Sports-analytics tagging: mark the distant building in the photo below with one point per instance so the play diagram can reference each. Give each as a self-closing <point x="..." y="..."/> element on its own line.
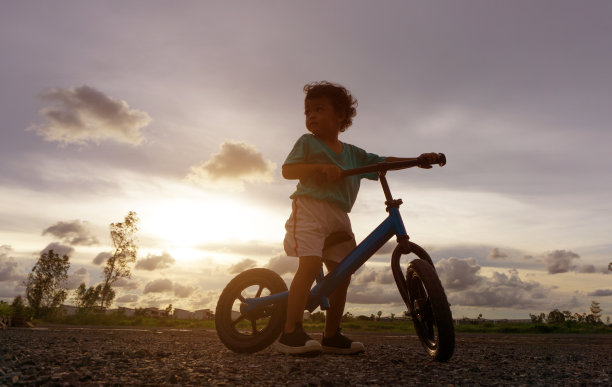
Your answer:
<point x="67" y="310"/>
<point x="153" y="312"/>
<point x="203" y="314"/>
<point x="183" y="314"/>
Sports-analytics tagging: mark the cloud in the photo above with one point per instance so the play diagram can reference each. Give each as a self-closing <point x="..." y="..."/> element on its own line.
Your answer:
<point x="126" y="284"/>
<point x="182" y="291"/>
<point x="235" y="164"/>
<point x="76" y="278"/>
<point x="459" y="274"/>
<point x="560" y="261"/>
<point x="601" y="293"/>
<point x="128" y="298"/>
<point x="465" y="286"/>
<point x="496" y="254"/>
<point x="158" y="286"/>
<point x="371" y="276"/>
<point x="586" y="269"/>
<point x="241" y="266"/>
<point x="242" y="248"/>
<point x="101" y="258"/>
<point x="83" y="114"/>
<point x="9" y="266"/>
<point x="59" y="249"/>
<point x="166" y="286"/>
<point x="283" y="264"/>
<point x="154" y="262"/>
<point x="72" y="233"/>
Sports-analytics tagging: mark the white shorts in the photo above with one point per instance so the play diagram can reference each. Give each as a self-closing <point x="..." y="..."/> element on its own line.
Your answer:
<point x="310" y="223"/>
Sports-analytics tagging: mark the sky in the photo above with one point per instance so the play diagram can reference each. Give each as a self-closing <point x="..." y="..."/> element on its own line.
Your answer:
<point x="184" y="113"/>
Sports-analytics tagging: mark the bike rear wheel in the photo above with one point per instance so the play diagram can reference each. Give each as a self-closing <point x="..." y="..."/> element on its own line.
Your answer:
<point x="430" y="310"/>
<point x="256" y="330"/>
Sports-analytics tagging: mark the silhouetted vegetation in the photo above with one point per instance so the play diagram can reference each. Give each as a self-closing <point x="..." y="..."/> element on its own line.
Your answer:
<point x="117" y="265"/>
<point x="45" y="289"/>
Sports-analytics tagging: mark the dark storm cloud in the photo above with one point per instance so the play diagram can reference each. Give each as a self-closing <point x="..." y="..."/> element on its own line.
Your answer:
<point x="236" y="161"/>
<point x="101" y="258"/>
<point x="73" y="233"/>
<point x="467" y="287"/>
<point x="59" y="249"/>
<point x="83" y="114"/>
<point x="155" y="262"/>
<point x="560" y="261"/>
<point x="241" y="266"/>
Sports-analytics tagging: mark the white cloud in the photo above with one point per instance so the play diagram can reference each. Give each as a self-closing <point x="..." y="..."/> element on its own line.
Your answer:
<point x="9" y="266"/>
<point x="127" y="298"/>
<point x="235" y="164"/>
<point x="183" y="291"/>
<point x="496" y="253"/>
<point x="83" y="114"/>
<point x="241" y="266"/>
<point x="158" y="286"/>
<point x="73" y="233"/>
<point x="283" y="264"/>
<point x="154" y="262"/>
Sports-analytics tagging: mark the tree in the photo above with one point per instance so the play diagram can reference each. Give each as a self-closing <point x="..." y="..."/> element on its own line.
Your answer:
<point x="595" y="311"/>
<point x="122" y="235"/>
<point x="45" y="289"/>
<point x="556" y="317"/>
<point x="168" y="311"/>
<point x="379" y="313"/>
<point x="85" y="298"/>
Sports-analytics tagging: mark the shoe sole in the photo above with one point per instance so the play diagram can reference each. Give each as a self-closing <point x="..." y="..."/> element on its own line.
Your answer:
<point x="310" y="348"/>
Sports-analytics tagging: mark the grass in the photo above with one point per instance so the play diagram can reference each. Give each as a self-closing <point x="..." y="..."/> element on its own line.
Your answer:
<point x="391" y="326"/>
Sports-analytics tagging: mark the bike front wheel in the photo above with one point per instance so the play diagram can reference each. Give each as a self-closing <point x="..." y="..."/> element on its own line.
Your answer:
<point x="253" y="331"/>
<point x="430" y="310"/>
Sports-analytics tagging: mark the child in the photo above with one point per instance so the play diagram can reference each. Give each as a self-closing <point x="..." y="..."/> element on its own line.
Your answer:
<point x="321" y="205"/>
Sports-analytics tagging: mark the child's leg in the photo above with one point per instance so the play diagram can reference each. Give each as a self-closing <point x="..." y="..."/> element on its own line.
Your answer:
<point x="308" y="269"/>
<point x="337" y="299"/>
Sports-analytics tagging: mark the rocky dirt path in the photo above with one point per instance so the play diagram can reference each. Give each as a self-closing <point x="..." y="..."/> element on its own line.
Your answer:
<point x="101" y="356"/>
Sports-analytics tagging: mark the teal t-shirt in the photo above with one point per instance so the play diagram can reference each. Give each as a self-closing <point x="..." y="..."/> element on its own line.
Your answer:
<point x="310" y="150"/>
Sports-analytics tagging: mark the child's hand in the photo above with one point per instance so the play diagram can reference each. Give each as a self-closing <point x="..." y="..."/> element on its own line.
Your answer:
<point x="426" y="159"/>
<point x="331" y="172"/>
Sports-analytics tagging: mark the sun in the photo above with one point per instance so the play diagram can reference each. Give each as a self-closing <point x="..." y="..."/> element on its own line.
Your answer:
<point x="184" y="226"/>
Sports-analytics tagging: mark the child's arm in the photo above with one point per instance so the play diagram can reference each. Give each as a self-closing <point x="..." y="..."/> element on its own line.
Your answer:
<point x="303" y="171"/>
<point x="426" y="158"/>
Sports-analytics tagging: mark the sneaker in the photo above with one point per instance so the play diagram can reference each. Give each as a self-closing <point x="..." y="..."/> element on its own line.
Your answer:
<point x="298" y="343"/>
<point x="341" y="344"/>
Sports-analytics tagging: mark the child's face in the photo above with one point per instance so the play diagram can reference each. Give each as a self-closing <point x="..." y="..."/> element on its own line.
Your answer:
<point x="322" y="119"/>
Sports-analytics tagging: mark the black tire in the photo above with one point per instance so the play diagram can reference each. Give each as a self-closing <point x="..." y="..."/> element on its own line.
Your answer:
<point x="430" y="310"/>
<point x="254" y="331"/>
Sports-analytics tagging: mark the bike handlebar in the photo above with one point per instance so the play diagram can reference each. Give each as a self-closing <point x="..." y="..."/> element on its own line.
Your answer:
<point x="389" y="166"/>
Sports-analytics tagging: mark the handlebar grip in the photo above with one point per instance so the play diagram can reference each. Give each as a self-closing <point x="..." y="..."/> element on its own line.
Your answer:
<point x="441" y="159"/>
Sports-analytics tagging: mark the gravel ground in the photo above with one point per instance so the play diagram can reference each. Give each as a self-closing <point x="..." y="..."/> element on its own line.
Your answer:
<point x="100" y="356"/>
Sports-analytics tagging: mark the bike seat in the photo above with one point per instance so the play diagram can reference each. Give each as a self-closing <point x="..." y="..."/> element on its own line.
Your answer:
<point x="336" y="238"/>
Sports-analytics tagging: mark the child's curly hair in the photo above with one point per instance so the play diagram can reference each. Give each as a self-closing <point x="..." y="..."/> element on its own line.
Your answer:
<point x="340" y="97"/>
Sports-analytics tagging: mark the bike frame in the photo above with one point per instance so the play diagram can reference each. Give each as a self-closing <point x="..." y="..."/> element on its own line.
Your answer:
<point x="325" y="286"/>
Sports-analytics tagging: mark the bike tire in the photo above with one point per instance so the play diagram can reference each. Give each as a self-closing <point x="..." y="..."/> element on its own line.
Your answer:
<point x="430" y="310"/>
<point x="254" y="331"/>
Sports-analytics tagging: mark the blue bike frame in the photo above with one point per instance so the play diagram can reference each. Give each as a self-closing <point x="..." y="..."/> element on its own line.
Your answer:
<point x="392" y="225"/>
